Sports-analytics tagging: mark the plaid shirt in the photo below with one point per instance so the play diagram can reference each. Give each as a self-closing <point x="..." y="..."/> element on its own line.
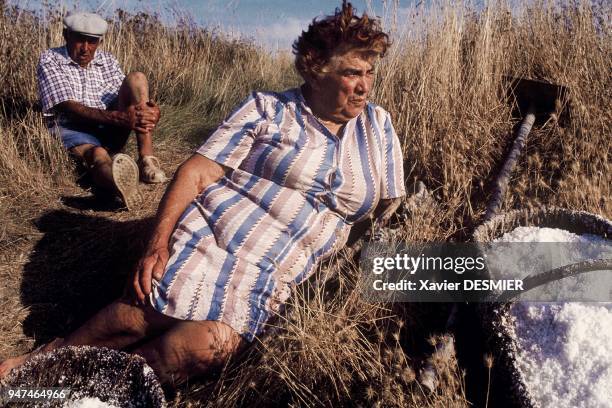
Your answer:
<point x="61" y="79"/>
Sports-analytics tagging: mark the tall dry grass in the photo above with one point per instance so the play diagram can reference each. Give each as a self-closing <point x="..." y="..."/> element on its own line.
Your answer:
<point x="196" y="75"/>
<point x="443" y="82"/>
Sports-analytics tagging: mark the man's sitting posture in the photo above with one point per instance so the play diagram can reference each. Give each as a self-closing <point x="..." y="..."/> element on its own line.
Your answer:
<point x="95" y="107"/>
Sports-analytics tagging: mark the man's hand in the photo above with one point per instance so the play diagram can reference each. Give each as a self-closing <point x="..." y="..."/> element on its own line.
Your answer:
<point x="151" y="266"/>
<point x="148" y="115"/>
<point x="142" y="118"/>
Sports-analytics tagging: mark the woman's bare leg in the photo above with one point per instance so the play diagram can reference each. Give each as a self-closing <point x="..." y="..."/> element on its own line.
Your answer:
<point x="190" y="349"/>
<point x="182" y="349"/>
<point x="118" y="325"/>
<point x="7" y="365"/>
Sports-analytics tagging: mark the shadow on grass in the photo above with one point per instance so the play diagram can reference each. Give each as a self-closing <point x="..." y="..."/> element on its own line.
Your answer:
<point x="93" y="202"/>
<point x="79" y="265"/>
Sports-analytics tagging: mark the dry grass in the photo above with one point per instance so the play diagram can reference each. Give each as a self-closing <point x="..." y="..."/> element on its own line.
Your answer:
<point x="442" y="82"/>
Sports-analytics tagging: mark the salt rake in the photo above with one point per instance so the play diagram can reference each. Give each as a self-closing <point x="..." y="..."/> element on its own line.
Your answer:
<point x="540" y="101"/>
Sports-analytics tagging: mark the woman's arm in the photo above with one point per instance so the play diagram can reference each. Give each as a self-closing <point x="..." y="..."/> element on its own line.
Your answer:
<point x="191" y="178"/>
<point x="381" y="215"/>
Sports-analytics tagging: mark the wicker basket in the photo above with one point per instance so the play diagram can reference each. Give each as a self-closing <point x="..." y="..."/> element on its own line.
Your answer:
<point x="492" y="315"/>
<point x="114" y="377"/>
<point x="578" y="222"/>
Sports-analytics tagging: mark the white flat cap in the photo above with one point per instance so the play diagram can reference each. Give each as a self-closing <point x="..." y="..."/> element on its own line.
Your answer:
<point x="86" y="23"/>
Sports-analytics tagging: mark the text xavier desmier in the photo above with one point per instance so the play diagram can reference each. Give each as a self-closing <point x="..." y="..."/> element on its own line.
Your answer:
<point x="467" y="285"/>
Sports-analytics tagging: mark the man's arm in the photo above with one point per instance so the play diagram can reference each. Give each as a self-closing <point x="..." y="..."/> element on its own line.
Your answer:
<point x="141" y="118"/>
<point x="191" y="178"/>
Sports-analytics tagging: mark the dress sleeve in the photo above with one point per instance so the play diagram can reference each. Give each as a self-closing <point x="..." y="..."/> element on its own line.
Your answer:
<point x="53" y="85"/>
<point x="393" y="163"/>
<point x="231" y="142"/>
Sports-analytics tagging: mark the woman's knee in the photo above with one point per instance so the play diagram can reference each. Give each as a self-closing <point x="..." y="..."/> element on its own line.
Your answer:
<point x="198" y="347"/>
<point x="219" y="343"/>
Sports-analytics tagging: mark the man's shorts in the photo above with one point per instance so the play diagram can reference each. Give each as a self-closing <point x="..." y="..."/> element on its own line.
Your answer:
<point x="110" y="137"/>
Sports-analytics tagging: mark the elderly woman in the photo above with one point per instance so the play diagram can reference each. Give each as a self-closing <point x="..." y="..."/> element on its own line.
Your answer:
<point x="272" y="192"/>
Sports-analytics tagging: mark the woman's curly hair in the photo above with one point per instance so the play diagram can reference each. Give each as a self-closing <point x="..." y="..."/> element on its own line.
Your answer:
<point x="343" y="30"/>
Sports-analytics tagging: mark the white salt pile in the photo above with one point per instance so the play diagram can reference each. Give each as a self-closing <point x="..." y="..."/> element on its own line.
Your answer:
<point x="564" y="349"/>
<point x="88" y="402"/>
<point x="508" y="260"/>
<point x="537" y="234"/>
<point x="565" y="353"/>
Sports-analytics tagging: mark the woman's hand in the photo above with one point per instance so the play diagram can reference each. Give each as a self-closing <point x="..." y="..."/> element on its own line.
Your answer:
<point x="190" y="179"/>
<point x="151" y="265"/>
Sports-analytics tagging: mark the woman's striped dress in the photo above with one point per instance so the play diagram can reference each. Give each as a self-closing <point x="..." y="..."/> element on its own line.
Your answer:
<point x="292" y="193"/>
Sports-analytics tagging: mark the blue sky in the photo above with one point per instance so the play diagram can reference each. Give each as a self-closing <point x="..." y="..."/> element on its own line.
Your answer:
<point x="275" y="23"/>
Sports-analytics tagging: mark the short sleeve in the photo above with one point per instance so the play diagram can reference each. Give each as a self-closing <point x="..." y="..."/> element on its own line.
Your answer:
<point x="53" y="85"/>
<point x="231" y="142"/>
<point x="393" y="163"/>
<point x="113" y="78"/>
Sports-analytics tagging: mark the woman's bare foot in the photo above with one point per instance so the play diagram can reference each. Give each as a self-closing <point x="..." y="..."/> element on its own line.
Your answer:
<point x="7" y="365"/>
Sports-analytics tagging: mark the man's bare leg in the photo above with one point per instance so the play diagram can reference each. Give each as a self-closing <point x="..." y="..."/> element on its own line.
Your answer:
<point x="133" y="92"/>
<point x="190" y="349"/>
<point x="99" y="163"/>
<point x="116" y="176"/>
<point x="118" y="325"/>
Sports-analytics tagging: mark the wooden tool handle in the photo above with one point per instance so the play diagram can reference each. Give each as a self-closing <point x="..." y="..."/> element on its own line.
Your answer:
<point x="503" y="178"/>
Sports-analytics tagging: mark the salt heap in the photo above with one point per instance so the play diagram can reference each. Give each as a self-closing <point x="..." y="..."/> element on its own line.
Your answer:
<point x="564" y="348"/>
<point x="88" y="403"/>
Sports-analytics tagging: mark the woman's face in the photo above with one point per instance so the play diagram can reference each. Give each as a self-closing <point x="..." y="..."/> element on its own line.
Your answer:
<point x="342" y="89"/>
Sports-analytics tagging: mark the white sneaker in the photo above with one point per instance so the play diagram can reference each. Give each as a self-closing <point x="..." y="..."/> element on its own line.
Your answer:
<point x="125" y="176"/>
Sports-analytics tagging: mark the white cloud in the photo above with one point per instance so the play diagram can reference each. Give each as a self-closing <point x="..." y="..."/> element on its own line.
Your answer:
<point x="280" y="34"/>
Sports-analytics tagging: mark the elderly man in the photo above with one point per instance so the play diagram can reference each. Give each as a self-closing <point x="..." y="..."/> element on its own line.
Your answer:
<point x="95" y="107"/>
